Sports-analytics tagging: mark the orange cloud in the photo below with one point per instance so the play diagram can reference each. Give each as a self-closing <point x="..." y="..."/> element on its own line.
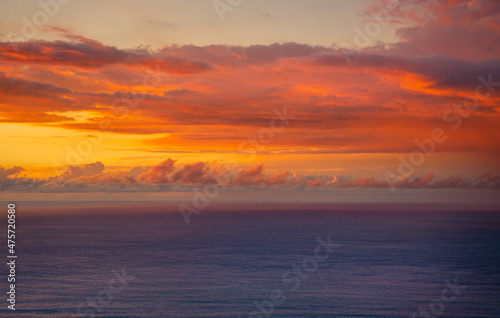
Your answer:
<point x="204" y="101"/>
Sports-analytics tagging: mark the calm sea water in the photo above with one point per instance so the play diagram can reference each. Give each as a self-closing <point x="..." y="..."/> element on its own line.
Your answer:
<point x="391" y="260"/>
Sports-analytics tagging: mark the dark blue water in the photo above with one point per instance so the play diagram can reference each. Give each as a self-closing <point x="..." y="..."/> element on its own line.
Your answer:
<point x="390" y="261"/>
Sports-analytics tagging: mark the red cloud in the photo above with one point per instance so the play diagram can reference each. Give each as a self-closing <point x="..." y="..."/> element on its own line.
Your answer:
<point x="255" y="177"/>
<point x="86" y="53"/>
<point x="94" y="177"/>
<point x="194" y="173"/>
<point x="158" y="174"/>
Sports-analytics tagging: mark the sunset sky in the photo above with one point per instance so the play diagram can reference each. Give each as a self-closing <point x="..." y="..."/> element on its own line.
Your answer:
<point x="275" y="98"/>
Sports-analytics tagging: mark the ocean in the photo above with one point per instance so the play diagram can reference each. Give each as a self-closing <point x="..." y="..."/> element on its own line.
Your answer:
<point x="249" y="260"/>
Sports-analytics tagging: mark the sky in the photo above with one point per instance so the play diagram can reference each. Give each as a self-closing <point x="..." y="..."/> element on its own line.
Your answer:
<point x="265" y="100"/>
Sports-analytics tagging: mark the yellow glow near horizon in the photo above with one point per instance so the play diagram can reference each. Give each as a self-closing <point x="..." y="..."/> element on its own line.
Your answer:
<point x="38" y="147"/>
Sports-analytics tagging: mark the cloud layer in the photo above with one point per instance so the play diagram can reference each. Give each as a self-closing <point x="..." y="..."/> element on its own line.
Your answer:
<point x="441" y="72"/>
<point x="95" y="177"/>
<point x="357" y="103"/>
